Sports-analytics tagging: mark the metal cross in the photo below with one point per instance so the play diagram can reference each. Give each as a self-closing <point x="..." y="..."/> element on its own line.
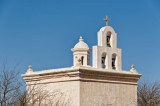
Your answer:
<point x="106" y="20"/>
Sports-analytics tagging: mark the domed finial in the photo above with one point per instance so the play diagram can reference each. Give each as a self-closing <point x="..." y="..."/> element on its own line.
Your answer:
<point x="29" y="66"/>
<point x="132" y="66"/>
<point x="80" y="39"/>
<point x="133" y="70"/>
<point x="29" y="70"/>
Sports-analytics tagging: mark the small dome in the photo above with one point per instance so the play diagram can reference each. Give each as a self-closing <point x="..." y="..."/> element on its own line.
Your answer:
<point x="81" y="44"/>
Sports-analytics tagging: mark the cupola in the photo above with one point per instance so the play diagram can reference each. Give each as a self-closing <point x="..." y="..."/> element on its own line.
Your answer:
<point x="81" y="53"/>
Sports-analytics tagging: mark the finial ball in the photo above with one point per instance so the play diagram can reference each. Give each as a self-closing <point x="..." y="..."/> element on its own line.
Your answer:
<point x="80" y="39"/>
<point x="132" y="66"/>
<point x="29" y="66"/>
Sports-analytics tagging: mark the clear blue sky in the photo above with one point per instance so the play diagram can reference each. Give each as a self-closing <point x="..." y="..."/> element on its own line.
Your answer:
<point x="42" y="32"/>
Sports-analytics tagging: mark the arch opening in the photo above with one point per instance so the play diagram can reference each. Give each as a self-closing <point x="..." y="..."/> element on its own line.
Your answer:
<point x="103" y="60"/>
<point x="114" y="61"/>
<point x="82" y="60"/>
<point x="108" y="39"/>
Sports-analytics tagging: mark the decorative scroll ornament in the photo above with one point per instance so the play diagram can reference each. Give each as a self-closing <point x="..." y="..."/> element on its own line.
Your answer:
<point x="79" y="63"/>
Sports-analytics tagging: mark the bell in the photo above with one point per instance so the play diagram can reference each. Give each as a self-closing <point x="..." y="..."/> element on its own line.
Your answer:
<point x="108" y="44"/>
<point x="108" y="41"/>
<point x="103" y="58"/>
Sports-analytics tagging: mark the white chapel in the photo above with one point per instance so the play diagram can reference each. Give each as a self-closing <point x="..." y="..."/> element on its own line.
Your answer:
<point x="102" y="84"/>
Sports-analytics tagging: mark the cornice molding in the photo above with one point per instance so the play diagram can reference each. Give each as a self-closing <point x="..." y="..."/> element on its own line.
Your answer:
<point x="82" y="74"/>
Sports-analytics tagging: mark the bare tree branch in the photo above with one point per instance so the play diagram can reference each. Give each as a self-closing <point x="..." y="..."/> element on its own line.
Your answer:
<point x="9" y="85"/>
<point x="148" y="94"/>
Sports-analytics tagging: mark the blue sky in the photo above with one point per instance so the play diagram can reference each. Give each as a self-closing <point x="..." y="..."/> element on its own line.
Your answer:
<point x="42" y="32"/>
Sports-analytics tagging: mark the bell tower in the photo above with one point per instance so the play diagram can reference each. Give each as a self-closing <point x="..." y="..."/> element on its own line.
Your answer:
<point x="106" y="55"/>
<point x="104" y="84"/>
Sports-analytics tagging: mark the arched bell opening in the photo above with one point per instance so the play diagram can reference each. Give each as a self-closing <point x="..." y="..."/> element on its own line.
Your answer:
<point x="82" y="60"/>
<point x="103" y="60"/>
<point x="108" y="39"/>
<point x="114" y="61"/>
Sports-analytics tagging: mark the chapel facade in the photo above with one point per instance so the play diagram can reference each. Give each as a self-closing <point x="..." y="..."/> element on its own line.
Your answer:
<point x="102" y="84"/>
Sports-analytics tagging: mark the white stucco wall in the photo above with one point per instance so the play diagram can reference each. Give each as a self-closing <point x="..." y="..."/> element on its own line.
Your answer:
<point x="107" y="94"/>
